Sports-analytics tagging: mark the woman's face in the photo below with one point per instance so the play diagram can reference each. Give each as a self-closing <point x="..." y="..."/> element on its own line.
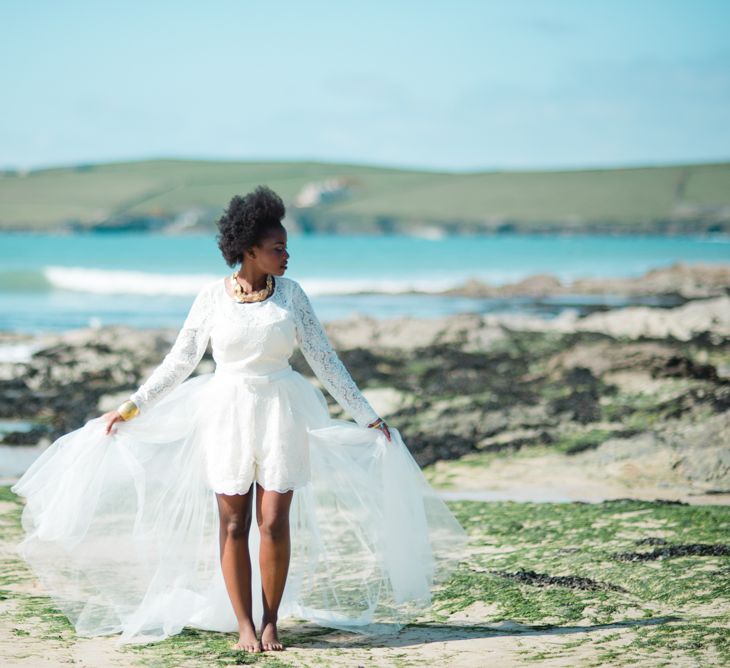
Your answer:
<point x="270" y="254"/>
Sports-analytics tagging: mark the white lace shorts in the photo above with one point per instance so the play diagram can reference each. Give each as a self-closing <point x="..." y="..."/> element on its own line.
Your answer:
<point x="256" y="429"/>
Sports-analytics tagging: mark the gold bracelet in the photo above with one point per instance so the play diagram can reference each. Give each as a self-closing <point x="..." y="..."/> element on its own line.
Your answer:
<point x="128" y="410"/>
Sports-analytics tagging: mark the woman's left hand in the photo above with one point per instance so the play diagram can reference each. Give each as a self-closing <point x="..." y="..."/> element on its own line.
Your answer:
<point x="380" y="424"/>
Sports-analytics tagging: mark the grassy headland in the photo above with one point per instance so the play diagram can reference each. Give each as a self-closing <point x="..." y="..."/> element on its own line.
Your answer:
<point x="189" y="195"/>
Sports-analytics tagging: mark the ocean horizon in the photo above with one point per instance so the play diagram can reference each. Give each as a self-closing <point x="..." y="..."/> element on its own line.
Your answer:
<point x="51" y="282"/>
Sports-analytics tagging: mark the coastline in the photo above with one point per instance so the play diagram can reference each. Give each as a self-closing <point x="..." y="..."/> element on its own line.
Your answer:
<point x="634" y="399"/>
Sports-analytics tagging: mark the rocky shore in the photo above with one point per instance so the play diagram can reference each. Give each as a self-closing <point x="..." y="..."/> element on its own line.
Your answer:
<point x="629" y="402"/>
<point x="680" y="281"/>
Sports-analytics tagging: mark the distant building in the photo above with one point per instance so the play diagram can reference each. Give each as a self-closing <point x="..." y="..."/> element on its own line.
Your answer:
<point x="322" y="192"/>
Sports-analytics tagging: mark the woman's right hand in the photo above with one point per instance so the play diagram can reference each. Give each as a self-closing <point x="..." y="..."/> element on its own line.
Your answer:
<point x="382" y="426"/>
<point x="111" y="418"/>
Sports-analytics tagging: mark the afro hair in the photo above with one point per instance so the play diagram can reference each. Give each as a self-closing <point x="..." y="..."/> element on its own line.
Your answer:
<point x="247" y="221"/>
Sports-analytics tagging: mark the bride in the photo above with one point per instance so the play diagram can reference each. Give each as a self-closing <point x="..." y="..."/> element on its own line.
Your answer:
<point x="140" y="521"/>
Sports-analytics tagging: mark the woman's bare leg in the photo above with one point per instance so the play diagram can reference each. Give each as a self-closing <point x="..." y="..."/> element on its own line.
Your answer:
<point x="235" y="520"/>
<point x="272" y="516"/>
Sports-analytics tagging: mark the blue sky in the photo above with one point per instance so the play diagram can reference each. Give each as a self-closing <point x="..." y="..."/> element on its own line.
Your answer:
<point x="443" y="85"/>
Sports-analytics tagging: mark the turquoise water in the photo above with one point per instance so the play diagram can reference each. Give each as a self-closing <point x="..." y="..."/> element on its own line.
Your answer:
<point x="56" y="282"/>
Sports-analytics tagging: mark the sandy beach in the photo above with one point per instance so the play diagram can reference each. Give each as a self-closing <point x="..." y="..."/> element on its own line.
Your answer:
<point x="593" y="590"/>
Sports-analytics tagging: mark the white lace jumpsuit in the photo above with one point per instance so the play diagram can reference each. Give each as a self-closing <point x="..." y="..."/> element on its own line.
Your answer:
<point x="255" y="410"/>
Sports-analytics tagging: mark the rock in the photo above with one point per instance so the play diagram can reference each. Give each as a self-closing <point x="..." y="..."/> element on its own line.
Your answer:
<point x="680" y="280"/>
<point x="681" y="323"/>
<point x="704" y="449"/>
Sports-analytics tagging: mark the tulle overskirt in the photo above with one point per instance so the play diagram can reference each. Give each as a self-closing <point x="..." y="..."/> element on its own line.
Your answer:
<point x="122" y="530"/>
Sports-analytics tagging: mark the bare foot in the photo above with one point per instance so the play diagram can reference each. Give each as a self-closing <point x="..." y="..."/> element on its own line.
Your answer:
<point x="269" y="637"/>
<point x="247" y="639"/>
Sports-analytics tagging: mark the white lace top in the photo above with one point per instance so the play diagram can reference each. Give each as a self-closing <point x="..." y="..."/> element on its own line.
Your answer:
<point x="256" y="338"/>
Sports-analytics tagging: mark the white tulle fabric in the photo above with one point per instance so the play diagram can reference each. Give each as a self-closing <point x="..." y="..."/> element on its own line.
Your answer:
<point x="122" y="529"/>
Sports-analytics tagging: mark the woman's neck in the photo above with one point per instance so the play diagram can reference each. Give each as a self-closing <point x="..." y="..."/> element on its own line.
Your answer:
<point x="252" y="278"/>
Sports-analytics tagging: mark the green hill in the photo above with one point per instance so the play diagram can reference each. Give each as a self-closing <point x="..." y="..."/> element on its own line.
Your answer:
<point x="190" y="195"/>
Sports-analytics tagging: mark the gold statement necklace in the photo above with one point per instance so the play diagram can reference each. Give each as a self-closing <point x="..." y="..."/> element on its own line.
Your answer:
<point x="246" y="297"/>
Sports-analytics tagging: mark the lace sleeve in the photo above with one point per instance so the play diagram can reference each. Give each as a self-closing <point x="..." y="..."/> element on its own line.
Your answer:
<point x="186" y="352"/>
<point x="324" y="361"/>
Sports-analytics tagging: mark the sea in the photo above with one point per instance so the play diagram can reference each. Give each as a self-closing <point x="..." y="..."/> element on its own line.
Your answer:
<point x="57" y="282"/>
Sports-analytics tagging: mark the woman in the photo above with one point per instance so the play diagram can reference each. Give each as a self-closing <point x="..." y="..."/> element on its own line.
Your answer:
<point x="121" y="514"/>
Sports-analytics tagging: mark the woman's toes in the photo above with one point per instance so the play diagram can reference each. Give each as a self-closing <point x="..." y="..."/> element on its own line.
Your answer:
<point x="269" y="640"/>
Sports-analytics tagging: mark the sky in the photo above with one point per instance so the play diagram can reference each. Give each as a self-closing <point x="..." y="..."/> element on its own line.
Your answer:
<point x="454" y="85"/>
